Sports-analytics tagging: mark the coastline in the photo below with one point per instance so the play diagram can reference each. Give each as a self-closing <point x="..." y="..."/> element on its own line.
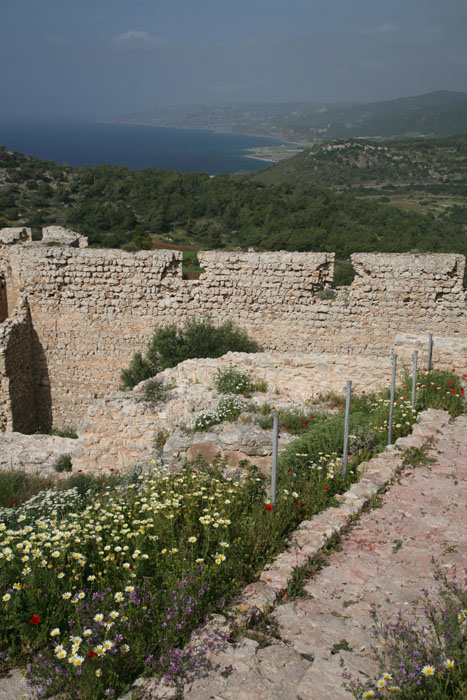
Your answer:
<point x="274" y="154"/>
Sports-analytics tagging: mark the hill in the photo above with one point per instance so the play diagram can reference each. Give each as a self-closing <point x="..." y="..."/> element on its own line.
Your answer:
<point x="440" y="113"/>
<point x="116" y="206"/>
<point x="425" y="175"/>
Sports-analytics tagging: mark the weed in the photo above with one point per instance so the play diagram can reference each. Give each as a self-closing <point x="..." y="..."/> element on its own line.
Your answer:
<point x="261" y="385"/>
<point x="231" y="381"/>
<point x="416" y="457"/>
<point x="63" y="464"/>
<point x="157" y="391"/>
<point x="397" y="545"/>
<point x="343" y="645"/>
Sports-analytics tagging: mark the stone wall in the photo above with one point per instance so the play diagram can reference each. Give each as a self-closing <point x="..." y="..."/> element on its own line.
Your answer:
<point x="11" y="236"/>
<point x="17" y="380"/>
<point x="92" y="309"/>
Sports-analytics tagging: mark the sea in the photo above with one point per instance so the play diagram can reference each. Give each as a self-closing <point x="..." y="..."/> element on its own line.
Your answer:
<point x="137" y="146"/>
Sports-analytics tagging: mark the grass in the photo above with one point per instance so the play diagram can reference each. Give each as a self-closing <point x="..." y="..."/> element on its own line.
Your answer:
<point x="105" y="579"/>
<point x="136" y="567"/>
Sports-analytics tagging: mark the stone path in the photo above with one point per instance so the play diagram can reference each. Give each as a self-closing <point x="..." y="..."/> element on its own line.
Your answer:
<point x="384" y="561"/>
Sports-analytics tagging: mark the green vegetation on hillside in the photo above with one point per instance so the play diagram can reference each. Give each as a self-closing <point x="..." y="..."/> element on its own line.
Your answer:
<point x="426" y="176"/>
<point x="116" y="206"/>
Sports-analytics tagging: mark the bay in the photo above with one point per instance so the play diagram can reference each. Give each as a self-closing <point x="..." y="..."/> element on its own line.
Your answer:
<point x="137" y="146"/>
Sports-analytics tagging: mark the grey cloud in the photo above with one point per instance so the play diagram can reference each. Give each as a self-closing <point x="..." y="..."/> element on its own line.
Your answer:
<point x="141" y="40"/>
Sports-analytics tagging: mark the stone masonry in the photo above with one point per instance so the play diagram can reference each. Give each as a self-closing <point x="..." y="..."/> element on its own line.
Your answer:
<point x="92" y="309"/>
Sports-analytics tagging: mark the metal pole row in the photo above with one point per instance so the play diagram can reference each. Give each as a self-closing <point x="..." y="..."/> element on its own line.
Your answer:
<point x="275" y="431"/>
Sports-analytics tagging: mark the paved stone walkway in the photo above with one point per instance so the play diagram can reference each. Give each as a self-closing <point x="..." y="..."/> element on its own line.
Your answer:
<point x="384" y="561"/>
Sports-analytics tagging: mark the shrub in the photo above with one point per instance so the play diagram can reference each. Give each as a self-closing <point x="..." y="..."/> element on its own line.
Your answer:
<point x="156" y="391"/>
<point x="171" y="345"/>
<point x="17" y="486"/>
<point x="231" y="381"/>
<point x="228" y="409"/>
<point x="137" y="372"/>
<point x="63" y="464"/>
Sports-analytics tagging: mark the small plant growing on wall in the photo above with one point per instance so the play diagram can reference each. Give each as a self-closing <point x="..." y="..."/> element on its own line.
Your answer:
<point x="231" y="381"/>
<point x="63" y="464"/>
<point x="157" y="391"/>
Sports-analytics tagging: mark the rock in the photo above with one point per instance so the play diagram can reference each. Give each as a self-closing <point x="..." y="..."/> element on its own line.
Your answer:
<point x="207" y="451"/>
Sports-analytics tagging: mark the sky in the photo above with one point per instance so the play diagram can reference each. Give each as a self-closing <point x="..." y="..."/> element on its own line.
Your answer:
<point x="95" y="59"/>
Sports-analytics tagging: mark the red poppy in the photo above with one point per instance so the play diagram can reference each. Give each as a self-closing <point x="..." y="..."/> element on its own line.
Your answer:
<point x="332" y="405"/>
<point x="13" y="503"/>
<point x="451" y="383"/>
<point x="325" y="488"/>
<point x="193" y="471"/>
<point x="310" y="416"/>
<point x="363" y="391"/>
<point x="303" y="421"/>
<point x="297" y="503"/>
<point x="35" y="619"/>
<point x="91" y="654"/>
<point x="325" y="417"/>
<point x="162" y="442"/>
<point x="268" y="506"/>
<point x="462" y="391"/>
<point x="289" y="470"/>
<point x="112" y="470"/>
<point x="80" y="470"/>
<point x="283" y="591"/>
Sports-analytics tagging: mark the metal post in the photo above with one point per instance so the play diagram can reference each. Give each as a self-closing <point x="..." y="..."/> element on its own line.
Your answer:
<point x="275" y="442"/>
<point x="346" y="429"/>
<point x="414" y="376"/>
<point x="430" y="351"/>
<point x="391" y="401"/>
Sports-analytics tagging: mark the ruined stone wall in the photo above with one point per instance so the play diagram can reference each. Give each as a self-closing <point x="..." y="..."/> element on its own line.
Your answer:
<point x="92" y="309"/>
<point x="17" y="381"/>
